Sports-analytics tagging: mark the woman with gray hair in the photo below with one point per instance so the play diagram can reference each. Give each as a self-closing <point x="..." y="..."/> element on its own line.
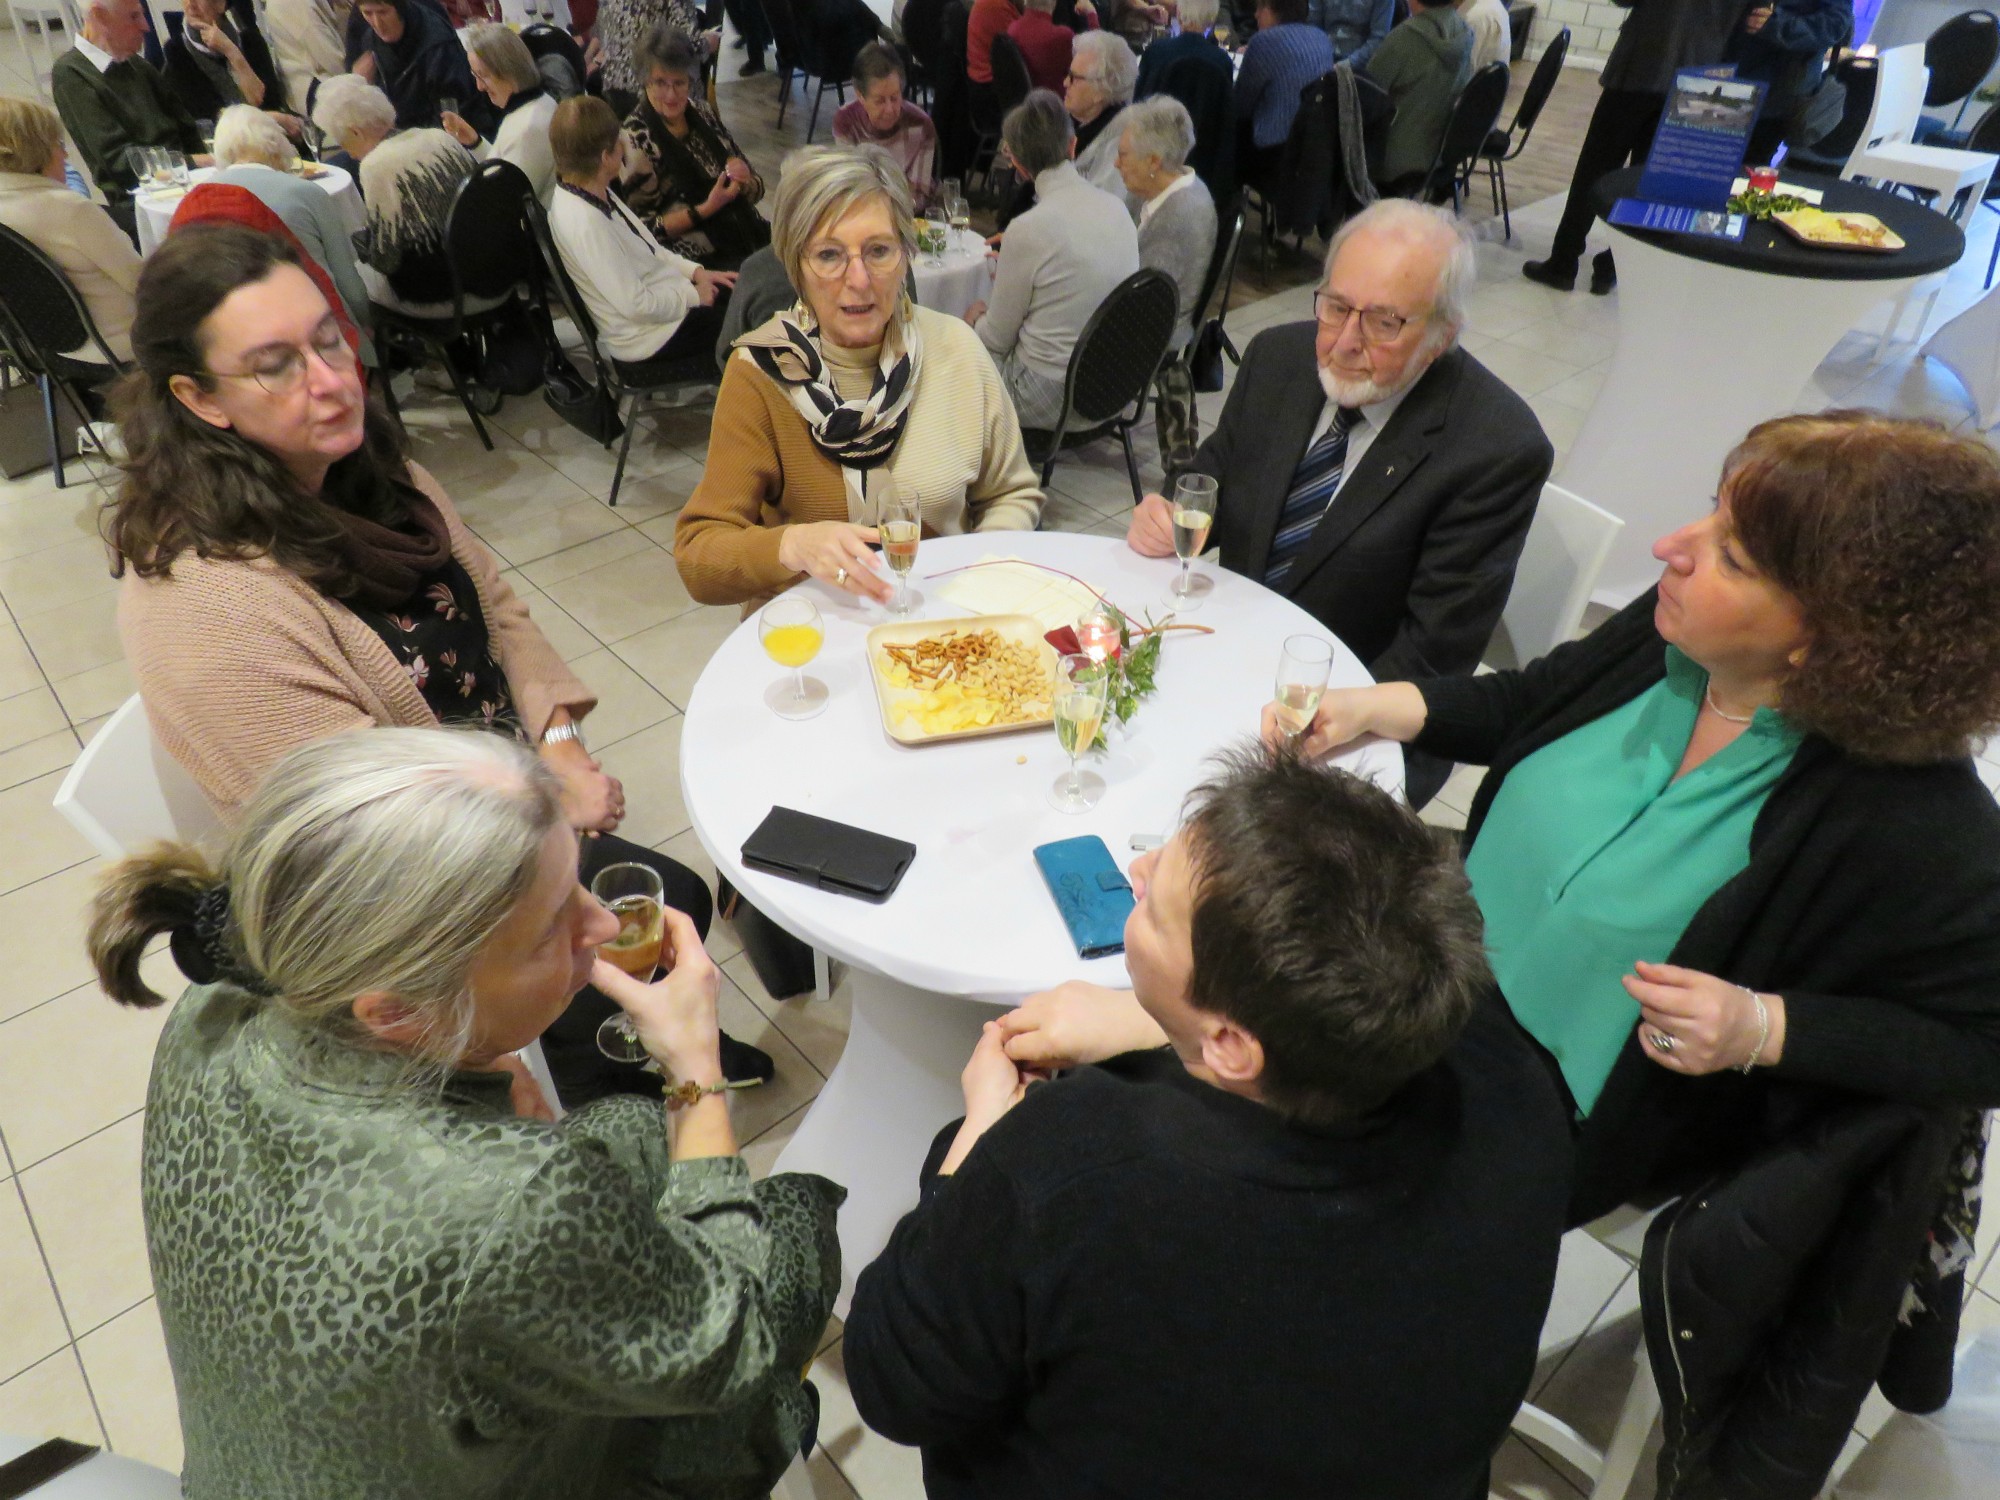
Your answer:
<point x="1102" y="74"/>
<point x="1059" y="262"/>
<point x="254" y="154"/>
<point x="354" y="117"/>
<point x="505" y="71"/>
<point x="381" y="1269"/>
<point x="851" y="381"/>
<point x="1176" y="235"/>
<point x="1197" y="20"/>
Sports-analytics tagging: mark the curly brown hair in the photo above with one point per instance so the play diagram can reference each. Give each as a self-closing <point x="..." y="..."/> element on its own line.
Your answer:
<point x="191" y="487"/>
<point x="1887" y="532"/>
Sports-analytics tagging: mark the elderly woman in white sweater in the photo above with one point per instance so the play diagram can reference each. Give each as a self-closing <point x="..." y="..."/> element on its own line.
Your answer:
<point x="1176" y="235"/>
<point x="505" y="71"/>
<point x="647" y="302"/>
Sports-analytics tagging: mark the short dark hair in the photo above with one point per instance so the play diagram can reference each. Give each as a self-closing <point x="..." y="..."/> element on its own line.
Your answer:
<point x="581" y="130"/>
<point x="1288" y="12"/>
<point x="1037" y="132"/>
<point x="669" y="48"/>
<point x="875" y="62"/>
<point x="1886" y="530"/>
<point x="1334" y="925"/>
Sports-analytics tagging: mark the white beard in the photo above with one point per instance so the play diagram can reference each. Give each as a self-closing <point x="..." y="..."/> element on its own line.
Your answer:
<point x="1342" y="391"/>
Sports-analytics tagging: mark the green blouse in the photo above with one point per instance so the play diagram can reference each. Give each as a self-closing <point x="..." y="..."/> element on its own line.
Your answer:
<point x="1592" y="856"/>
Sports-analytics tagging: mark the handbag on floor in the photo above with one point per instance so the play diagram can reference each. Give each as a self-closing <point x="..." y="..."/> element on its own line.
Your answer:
<point x="581" y="402"/>
<point x="1205" y="357"/>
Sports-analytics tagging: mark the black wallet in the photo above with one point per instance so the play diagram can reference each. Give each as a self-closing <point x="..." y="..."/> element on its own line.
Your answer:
<point x="836" y="857"/>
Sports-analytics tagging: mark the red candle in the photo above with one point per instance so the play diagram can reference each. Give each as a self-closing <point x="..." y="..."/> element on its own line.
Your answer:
<point x="1763" y="179"/>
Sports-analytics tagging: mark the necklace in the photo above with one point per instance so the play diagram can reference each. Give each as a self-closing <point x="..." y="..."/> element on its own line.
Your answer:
<point x="1732" y="718"/>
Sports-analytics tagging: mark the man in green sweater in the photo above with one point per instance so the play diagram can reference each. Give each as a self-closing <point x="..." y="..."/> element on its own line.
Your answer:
<point x="111" y="99"/>
<point x="1423" y="63"/>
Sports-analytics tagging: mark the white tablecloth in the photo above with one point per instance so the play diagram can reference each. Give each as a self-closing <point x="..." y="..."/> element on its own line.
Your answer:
<point x="965" y="277"/>
<point x="156" y="210"/>
<point x="972" y="920"/>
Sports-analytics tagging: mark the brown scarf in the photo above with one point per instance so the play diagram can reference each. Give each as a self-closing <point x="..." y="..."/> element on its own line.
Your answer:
<point x="388" y="561"/>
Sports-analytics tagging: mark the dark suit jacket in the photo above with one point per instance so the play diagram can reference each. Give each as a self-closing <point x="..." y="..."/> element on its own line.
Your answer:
<point x="1412" y="563"/>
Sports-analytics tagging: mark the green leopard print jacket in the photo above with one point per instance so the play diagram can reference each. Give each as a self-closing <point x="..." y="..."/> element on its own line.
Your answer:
<point x="373" y="1289"/>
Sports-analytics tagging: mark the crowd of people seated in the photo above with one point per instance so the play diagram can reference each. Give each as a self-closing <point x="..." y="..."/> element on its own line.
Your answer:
<point x="1730" y="875"/>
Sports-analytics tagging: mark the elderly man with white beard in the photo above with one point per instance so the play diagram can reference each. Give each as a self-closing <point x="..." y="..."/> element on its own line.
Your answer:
<point x="1389" y="497"/>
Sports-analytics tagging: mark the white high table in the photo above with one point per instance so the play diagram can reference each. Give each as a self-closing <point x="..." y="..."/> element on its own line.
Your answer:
<point x="971" y="927"/>
<point x="1714" y="338"/>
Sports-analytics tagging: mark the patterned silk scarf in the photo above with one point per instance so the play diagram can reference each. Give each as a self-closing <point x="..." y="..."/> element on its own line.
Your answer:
<point x="854" y="434"/>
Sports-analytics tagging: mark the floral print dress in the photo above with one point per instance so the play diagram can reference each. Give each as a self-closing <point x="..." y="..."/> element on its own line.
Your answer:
<point x="439" y="637"/>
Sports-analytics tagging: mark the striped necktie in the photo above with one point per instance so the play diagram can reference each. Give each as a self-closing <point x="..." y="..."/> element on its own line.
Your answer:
<point x="1313" y="484"/>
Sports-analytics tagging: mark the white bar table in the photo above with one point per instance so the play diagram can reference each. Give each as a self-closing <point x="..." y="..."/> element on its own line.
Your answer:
<point x="1713" y="338"/>
<point x="971" y="928"/>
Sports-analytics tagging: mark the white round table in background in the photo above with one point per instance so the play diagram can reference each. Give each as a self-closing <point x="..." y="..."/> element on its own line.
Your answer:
<point x="155" y="213"/>
<point x="965" y="277"/>
<point x="972" y="920"/>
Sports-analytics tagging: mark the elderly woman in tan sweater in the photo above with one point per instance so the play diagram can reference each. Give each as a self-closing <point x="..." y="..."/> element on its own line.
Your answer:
<point x="290" y="574"/>
<point x="851" y="381"/>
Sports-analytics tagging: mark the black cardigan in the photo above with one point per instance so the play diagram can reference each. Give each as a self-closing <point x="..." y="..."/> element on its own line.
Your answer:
<point x="1871" y="903"/>
<point x="1140" y="1285"/>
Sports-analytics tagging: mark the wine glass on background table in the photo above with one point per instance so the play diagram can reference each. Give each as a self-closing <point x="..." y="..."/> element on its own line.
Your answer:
<point x="1303" y="668"/>
<point x="1082" y="685"/>
<point x="937" y="231"/>
<point x="633" y="895"/>
<point x="1194" y="512"/>
<point x="958" y="212"/>
<point x="900" y="523"/>
<point x="792" y="634"/>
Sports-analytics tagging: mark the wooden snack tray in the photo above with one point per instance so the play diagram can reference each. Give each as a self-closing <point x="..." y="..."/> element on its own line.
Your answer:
<point x="1797" y="223"/>
<point x="1021" y="629"/>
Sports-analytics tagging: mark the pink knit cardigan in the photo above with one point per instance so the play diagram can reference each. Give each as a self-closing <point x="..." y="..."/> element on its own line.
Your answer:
<point x="239" y="662"/>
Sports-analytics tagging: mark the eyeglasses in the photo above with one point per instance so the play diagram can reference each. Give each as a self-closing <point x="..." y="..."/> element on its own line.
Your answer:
<point x="1379" y="325"/>
<point x="878" y="258"/>
<point x="1075" y="77"/>
<point x="281" y="368"/>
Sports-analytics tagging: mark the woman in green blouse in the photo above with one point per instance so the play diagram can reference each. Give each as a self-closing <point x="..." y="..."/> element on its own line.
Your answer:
<point x="381" y="1271"/>
<point x="1737" y="830"/>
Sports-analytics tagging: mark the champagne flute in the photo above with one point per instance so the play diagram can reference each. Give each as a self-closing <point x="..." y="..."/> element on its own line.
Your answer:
<point x="1081" y="688"/>
<point x="1303" y="667"/>
<point x="938" y="232"/>
<point x="634" y="895"/>
<point x="792" y="634"/>
<point x="959" y="212"/>
<point x="1194" y="512"/>
<point x="900" y="523"/>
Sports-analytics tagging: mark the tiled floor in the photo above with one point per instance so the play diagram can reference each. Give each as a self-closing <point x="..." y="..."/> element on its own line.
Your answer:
<point x="80" y="1346"/>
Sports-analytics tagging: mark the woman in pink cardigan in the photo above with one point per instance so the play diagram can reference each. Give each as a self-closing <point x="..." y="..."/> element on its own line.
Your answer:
<point x="290" y="574"/>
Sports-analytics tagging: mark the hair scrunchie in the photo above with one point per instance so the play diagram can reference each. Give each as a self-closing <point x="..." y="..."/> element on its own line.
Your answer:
<point x="201" y="947"/>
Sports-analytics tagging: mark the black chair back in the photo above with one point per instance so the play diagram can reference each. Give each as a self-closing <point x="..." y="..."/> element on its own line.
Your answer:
<point x="1473" y="115"/>
<point x="922" y="20"/>
<point x="1221" y="262"/>
<point x="47" y="313"/>
<point x="1541" y="84"/>
<point x="1122" y="345"/>
<point x="488" y="239"/>
<point x="1960" y="54"/>
<point x="1011" y="81"/>
<point x="1984" y="137"/>
<point x="1205" y="91"/>
<point x="567" y="297"/>
<point x="788" y="37"/>
<point x="543" y="40"/>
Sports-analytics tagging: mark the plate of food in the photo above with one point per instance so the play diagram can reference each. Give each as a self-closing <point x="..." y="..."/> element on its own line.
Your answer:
<point x="941" y="680"/>
<point x="1839" y="231"/>
<point x="310" y="170"/>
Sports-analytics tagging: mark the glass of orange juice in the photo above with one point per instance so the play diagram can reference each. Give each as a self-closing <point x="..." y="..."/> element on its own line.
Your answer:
<point x="792" y="634"/>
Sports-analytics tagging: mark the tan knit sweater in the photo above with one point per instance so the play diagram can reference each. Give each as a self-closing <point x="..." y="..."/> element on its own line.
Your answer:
<point x="239" y="662"/>
<point x="961" y="452"/>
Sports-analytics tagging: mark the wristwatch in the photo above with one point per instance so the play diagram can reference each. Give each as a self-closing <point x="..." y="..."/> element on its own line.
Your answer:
<point x="556" y="734"/>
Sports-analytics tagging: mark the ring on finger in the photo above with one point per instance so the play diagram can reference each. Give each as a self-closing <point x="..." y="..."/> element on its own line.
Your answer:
<point x="840" y="576"/>
<point x="1663" y="1041"/>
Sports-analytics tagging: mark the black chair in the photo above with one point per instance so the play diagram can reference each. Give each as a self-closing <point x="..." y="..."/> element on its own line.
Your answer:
<point x="1474" y="113"/>
<point x="1011" y="80"/>
<point x="1502" y="146"/>
<point x="797" y="41"/>
<point x="1111" y="370"/>
<point x="543" y="40"/>
<point x="922" y="45"/>
<point x="490" y="249"/>
<point x="42" y="314"/>
<point x="628" y="382"/>
<point x="1960" y="54"/>
<point x="1985" y="137"/>
<point x="1215" y="285"/>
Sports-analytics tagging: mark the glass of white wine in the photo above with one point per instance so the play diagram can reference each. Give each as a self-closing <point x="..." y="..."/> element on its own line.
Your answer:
<point x="900" y="524"/>
<point x="1303" y="668"/>
<point x="1082" y="684"/>
<point x="938" y="231"/>
<point x="1194" y="512"/>
<point x="792" y="634"/>
<point x="959" y="212"/>
<point x="634" y="895"/>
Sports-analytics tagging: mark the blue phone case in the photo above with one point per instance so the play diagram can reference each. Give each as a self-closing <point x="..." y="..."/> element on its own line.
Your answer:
<point x="1091" y="892"/>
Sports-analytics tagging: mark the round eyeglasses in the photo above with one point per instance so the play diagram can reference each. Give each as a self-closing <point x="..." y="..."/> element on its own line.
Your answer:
<point x="877" y="257"/>
<point x="281" y="368"/>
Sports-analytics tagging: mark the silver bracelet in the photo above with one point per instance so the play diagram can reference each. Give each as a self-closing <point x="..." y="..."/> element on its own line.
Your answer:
<point x="557" y="734"/>
<point x="1763" y="1028"/>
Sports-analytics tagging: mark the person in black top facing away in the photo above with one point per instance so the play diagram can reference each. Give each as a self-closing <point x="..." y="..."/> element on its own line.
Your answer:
<point x="1292" y="1232"/>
